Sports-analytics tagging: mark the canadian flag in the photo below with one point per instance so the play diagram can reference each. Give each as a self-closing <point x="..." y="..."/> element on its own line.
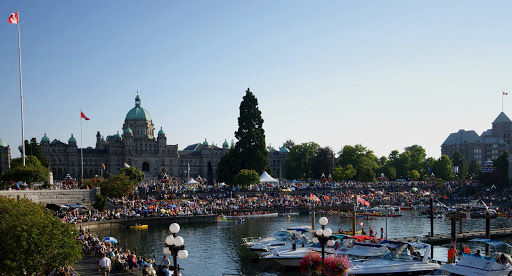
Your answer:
<point x="361" y="223"/>
<point x="314" y="197"/>
<point x="505" y="93"/>
<point x="13" y="19"/>
<point x="82" y="115"/>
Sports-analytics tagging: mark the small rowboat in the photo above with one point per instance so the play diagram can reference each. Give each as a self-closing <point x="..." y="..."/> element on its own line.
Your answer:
<point x="139" y="227"/>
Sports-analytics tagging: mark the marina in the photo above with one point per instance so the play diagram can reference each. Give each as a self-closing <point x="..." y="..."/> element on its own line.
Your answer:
<point x="218" y="246"/>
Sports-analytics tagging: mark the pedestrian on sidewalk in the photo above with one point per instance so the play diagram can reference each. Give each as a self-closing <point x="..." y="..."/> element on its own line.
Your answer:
<point x="104" y="265"/>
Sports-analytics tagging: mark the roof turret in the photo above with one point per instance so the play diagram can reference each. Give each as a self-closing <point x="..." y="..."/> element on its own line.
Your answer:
<point x="225" y="144"/>
<point x="128" y="130"/>
<point x="45" y="139"/>
<point x="205" y="143"/>
<point x="71" y="139"/>
<point x="2" y="144"/>
<point x="138" y="113"/>
<point x="283" y="149"/>
<point x="161" y="131"/>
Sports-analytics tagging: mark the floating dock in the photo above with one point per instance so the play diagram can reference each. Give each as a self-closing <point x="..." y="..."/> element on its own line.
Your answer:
<point x="446" y="238"/>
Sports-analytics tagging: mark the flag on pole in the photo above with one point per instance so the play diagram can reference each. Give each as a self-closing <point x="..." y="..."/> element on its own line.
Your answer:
<point x="126" y="165"/>
<point x="102" y="165"/>
<point x="361" y="223"/>
<point x="505" y="93"/>
<point x="188" y="166"/>
<point x="82" y="115"/>
<point x="313" y="197"/>
<point x="13" y="19"/>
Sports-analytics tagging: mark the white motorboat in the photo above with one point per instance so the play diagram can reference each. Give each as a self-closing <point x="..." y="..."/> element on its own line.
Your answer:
<point x="365" y="251"/>
<point x="471" y="264"/>
<point x="401" y="261"/>
<point x="260" y="246"/>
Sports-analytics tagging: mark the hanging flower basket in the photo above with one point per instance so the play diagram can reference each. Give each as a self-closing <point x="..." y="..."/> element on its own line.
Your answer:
<point x="333" y="265"/>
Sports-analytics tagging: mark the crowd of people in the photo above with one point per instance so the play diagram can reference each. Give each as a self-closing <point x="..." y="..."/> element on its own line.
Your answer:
<point x="158" y="199"/>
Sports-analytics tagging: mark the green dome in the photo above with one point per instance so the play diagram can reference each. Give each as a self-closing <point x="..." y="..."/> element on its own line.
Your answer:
<point x="225" y="144"/>
<point x="284" y="149"/>
<point x="138" y="113"/>
<point x="71" y="139"/>
<point x="103" y="138"/>
<point x="2" y="144"/>
<point x="161" y="132"/>
<point x="118" y="135"/>
<point x="128" y="130"/>
<point x="45" y="139"/>
<point x="205" y="143"/>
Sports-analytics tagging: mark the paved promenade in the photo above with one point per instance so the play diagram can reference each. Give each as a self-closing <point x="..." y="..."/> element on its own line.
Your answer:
<point x="88" y="265"/>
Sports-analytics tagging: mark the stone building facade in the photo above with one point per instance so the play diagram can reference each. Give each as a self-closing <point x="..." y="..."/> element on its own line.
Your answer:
<point x="139" y="146"/>
<point x="487" y="146"/>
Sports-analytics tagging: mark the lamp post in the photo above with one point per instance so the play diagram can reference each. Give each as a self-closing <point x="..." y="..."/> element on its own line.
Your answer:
<point x="175" y="246"/>
<point x="323" y="236"/>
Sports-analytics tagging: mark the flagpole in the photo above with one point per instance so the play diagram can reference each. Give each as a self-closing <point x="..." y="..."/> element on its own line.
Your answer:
<point x="81" y="149"/>
<point x="21" y="94"/>
<point x="502" y="94"/>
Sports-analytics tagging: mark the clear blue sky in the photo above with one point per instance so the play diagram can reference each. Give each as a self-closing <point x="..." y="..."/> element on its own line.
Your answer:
<point x="384" y="74"/>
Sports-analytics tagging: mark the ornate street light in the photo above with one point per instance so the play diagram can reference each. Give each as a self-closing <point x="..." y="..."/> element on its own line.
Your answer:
<point x="323" y="236"/>
<point x="175" y="246"/>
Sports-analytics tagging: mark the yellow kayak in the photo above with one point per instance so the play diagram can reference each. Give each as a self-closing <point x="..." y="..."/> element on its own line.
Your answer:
<point x="139" y="227"/>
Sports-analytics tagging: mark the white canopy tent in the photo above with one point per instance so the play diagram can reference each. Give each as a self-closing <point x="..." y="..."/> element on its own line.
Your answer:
<point x="265" y="177"/>
<point x="191" y="181"/>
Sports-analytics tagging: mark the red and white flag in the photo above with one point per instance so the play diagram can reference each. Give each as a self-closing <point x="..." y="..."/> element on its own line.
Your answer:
<point x="313" y="197"/>
<point x="361" y="223"/>
<point x="13" y="19"/>
<point x="505" y="93"/>
<point x="82" y="115"/>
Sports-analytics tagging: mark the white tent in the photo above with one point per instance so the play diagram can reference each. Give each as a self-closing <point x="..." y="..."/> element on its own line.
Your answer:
<point x="191" y="181"/>
<point x="265" y="177"/>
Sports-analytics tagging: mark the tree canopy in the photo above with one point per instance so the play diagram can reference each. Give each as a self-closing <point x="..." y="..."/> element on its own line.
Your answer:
<point x="247" y="178"/>
<point x="33" y="239"/>
<point x="298" y="164"/>
<point x="249" y="152"/>
<point x="32" y="172"/>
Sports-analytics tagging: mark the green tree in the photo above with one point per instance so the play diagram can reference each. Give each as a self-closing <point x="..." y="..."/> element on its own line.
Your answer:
<point x="133" y="174"/>
<point x="501" y="163"/>
<point x="340" y="173"/>
<point x="349" y="172"/>
<point x="100" y="203"/>
<point x="444" y="168"/>
<point x="33" y="240"/>
<point x="118" y="185"/>
<point x="322" y="162"/>
<point x="32" y="172"/>
<point x="414" y="175"/>
<point x="298" y="164"/>
<point x="289" y="144"/>
<point x="474" y="169"/>
<point x="337" y="174"/>
<point x="33" y="149"/>
<point x="247" y="178"/>
<point x="459" y="161"/>
<point x="358" y="156"/>
<point x="367" y="175"/>
<point x="250" y="150"/>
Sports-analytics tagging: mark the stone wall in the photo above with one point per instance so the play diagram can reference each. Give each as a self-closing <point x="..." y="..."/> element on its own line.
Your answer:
<point x="59" y="197"/>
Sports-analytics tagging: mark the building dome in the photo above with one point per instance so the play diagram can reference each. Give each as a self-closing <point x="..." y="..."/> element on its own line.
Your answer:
<point x="45" y="139"/>
<point x="118" y="135"/>
<point x="103" y="138"/>
<point x="225" y="144"/>
<point x="284" y="150"/>
<point x="71" y="139"/>
<point x="205" y="143"/>
<point x="161" y="131"/>
<point x="128" y="130"/>
<point x="2" y="144"/>
<point x="138" y="113"/>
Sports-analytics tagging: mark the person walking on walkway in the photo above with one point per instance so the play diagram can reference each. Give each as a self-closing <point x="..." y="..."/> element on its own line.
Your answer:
<point x="104" y="265"/>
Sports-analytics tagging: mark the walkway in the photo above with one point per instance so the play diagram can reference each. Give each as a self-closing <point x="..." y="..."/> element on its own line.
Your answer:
<point x="88" y="265"/>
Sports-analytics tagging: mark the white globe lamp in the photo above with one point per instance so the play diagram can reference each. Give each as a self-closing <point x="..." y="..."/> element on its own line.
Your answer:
<point x="323" y="221"/>
<point x="183" y="254"/>
<point x="174" y="228"/>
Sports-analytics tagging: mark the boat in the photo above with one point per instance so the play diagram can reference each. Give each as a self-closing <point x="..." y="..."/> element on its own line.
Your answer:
<point x="472" y="264"/>
<point x="290" y="255"/>
<point x="364" y="251"/>
<point x="280" y="238"/>
<point x="400" y="261"/>
<point x="139" y="227"/>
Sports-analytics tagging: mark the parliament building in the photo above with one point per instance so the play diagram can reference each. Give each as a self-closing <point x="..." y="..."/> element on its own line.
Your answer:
<point x="139" y="146"/>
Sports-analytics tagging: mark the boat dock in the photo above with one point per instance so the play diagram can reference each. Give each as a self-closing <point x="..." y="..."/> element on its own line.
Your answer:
<point x="446" y="238"/>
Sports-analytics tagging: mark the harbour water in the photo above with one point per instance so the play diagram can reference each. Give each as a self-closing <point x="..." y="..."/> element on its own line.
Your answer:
<point x="215" y="248"/>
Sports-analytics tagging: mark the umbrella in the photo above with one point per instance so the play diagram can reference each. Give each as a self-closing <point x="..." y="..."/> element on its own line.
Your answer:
<point x="110" y="240"/>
